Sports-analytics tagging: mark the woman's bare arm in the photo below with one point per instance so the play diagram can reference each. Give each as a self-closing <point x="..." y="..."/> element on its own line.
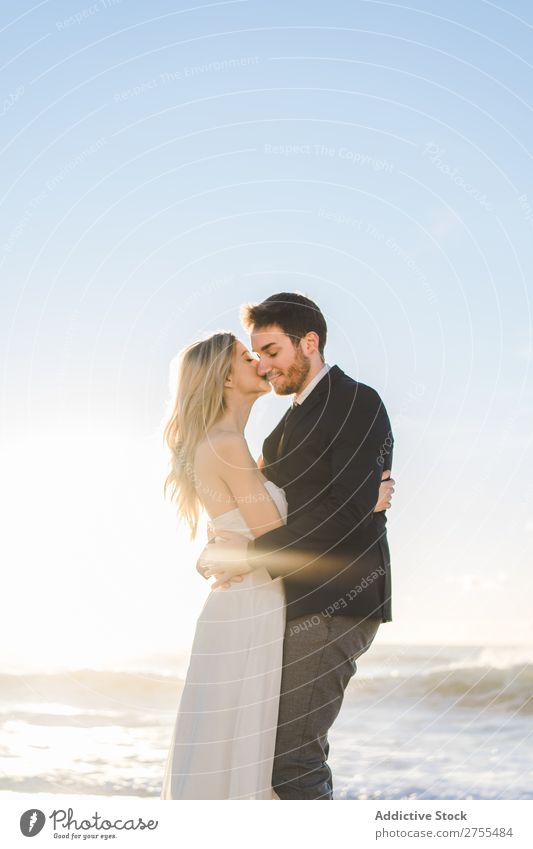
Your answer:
<point x="236" y="467"/>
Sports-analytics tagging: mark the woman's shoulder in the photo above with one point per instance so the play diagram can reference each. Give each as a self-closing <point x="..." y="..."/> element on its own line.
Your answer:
<point x="223" y="446"/>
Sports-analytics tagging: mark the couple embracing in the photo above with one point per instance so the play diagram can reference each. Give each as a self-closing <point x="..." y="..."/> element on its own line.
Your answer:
<point x="298" y="553"/>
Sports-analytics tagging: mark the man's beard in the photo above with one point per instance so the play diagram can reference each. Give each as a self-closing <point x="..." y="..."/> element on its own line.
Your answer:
<point x="292" y="381"/>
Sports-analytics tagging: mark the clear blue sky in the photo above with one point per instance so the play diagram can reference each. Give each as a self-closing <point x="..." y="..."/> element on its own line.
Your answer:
<point x="161" y="166"/>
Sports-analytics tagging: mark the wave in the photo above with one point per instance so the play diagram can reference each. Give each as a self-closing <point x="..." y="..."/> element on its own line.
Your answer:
<point x="89" y="688"/>
<point x="481" y="687"/>
<point x="478" y="686"/>
<point x="501" y="679"/>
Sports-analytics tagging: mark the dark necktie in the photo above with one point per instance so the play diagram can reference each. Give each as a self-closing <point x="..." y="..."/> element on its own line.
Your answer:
<point x="292" y="408"/>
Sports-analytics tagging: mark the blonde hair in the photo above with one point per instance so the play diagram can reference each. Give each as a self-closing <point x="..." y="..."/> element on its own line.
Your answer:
<point x="199" y="402"/>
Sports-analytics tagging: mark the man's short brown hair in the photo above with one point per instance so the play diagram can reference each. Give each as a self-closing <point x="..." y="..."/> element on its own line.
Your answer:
<point x="295" y="314"/>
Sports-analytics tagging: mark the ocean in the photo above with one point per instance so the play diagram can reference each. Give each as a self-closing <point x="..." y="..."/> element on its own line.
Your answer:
<point x="418" y="722"/>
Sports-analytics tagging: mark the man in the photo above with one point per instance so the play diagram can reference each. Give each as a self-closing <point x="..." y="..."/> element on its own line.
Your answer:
<point x="329" y="453"/>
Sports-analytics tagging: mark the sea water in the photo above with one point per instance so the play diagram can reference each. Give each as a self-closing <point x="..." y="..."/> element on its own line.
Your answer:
<point x="424" y="722"/>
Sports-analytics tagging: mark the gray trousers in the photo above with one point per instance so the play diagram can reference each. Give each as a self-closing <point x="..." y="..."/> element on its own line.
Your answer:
<point x="319" y="654"/>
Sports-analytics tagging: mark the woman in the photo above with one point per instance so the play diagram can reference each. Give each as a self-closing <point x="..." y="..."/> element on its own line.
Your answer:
<point x="225" y="731"/>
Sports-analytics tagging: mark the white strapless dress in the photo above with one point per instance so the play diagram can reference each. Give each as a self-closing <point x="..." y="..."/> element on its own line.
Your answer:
<point x="225" y="731"/>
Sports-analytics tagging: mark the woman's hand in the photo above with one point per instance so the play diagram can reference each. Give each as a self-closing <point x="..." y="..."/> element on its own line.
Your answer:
<point x="202" y="560"/>
<point x="385" y="492"/>
<point x="225" y="578"/>
<point x="225" y="559"/>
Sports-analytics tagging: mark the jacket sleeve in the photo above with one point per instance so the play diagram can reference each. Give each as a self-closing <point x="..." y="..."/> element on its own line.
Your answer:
<point x="360" y="450"/>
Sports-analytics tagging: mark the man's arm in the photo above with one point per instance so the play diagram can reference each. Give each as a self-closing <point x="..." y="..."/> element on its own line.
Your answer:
<point x="224" y="578"/>
<point x="360" y="450"/>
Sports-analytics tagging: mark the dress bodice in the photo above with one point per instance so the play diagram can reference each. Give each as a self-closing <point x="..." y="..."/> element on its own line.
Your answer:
<point x="233" y="520"/>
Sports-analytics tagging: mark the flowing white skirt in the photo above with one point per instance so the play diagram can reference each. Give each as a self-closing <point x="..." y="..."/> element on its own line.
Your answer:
<point x="225" y="731"/>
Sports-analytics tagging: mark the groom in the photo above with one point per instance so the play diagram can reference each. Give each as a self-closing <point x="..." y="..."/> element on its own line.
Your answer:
<point x="328" y="452"/>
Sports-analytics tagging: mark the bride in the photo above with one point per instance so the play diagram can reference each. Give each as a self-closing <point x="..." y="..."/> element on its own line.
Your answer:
<point x="225" y="731"/>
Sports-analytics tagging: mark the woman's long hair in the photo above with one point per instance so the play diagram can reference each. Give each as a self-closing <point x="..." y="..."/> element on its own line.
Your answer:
<point x="202" y="370"/>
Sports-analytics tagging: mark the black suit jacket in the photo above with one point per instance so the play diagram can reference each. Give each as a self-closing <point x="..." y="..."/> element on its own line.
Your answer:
<point x="333" y="553"/>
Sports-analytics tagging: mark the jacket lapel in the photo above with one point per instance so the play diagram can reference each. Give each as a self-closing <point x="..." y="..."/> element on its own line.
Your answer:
<point x="319" y="395"/>
<point x="270" y="445"/>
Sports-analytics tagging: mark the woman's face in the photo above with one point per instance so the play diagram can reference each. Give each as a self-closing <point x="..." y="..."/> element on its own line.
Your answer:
<point x="244" y="376"/>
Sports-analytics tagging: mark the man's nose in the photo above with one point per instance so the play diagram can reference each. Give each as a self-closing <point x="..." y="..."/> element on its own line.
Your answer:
<point x="262" y="368"/>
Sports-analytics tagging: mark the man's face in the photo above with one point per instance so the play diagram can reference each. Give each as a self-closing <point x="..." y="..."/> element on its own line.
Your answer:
<point x="284" y="365"/>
